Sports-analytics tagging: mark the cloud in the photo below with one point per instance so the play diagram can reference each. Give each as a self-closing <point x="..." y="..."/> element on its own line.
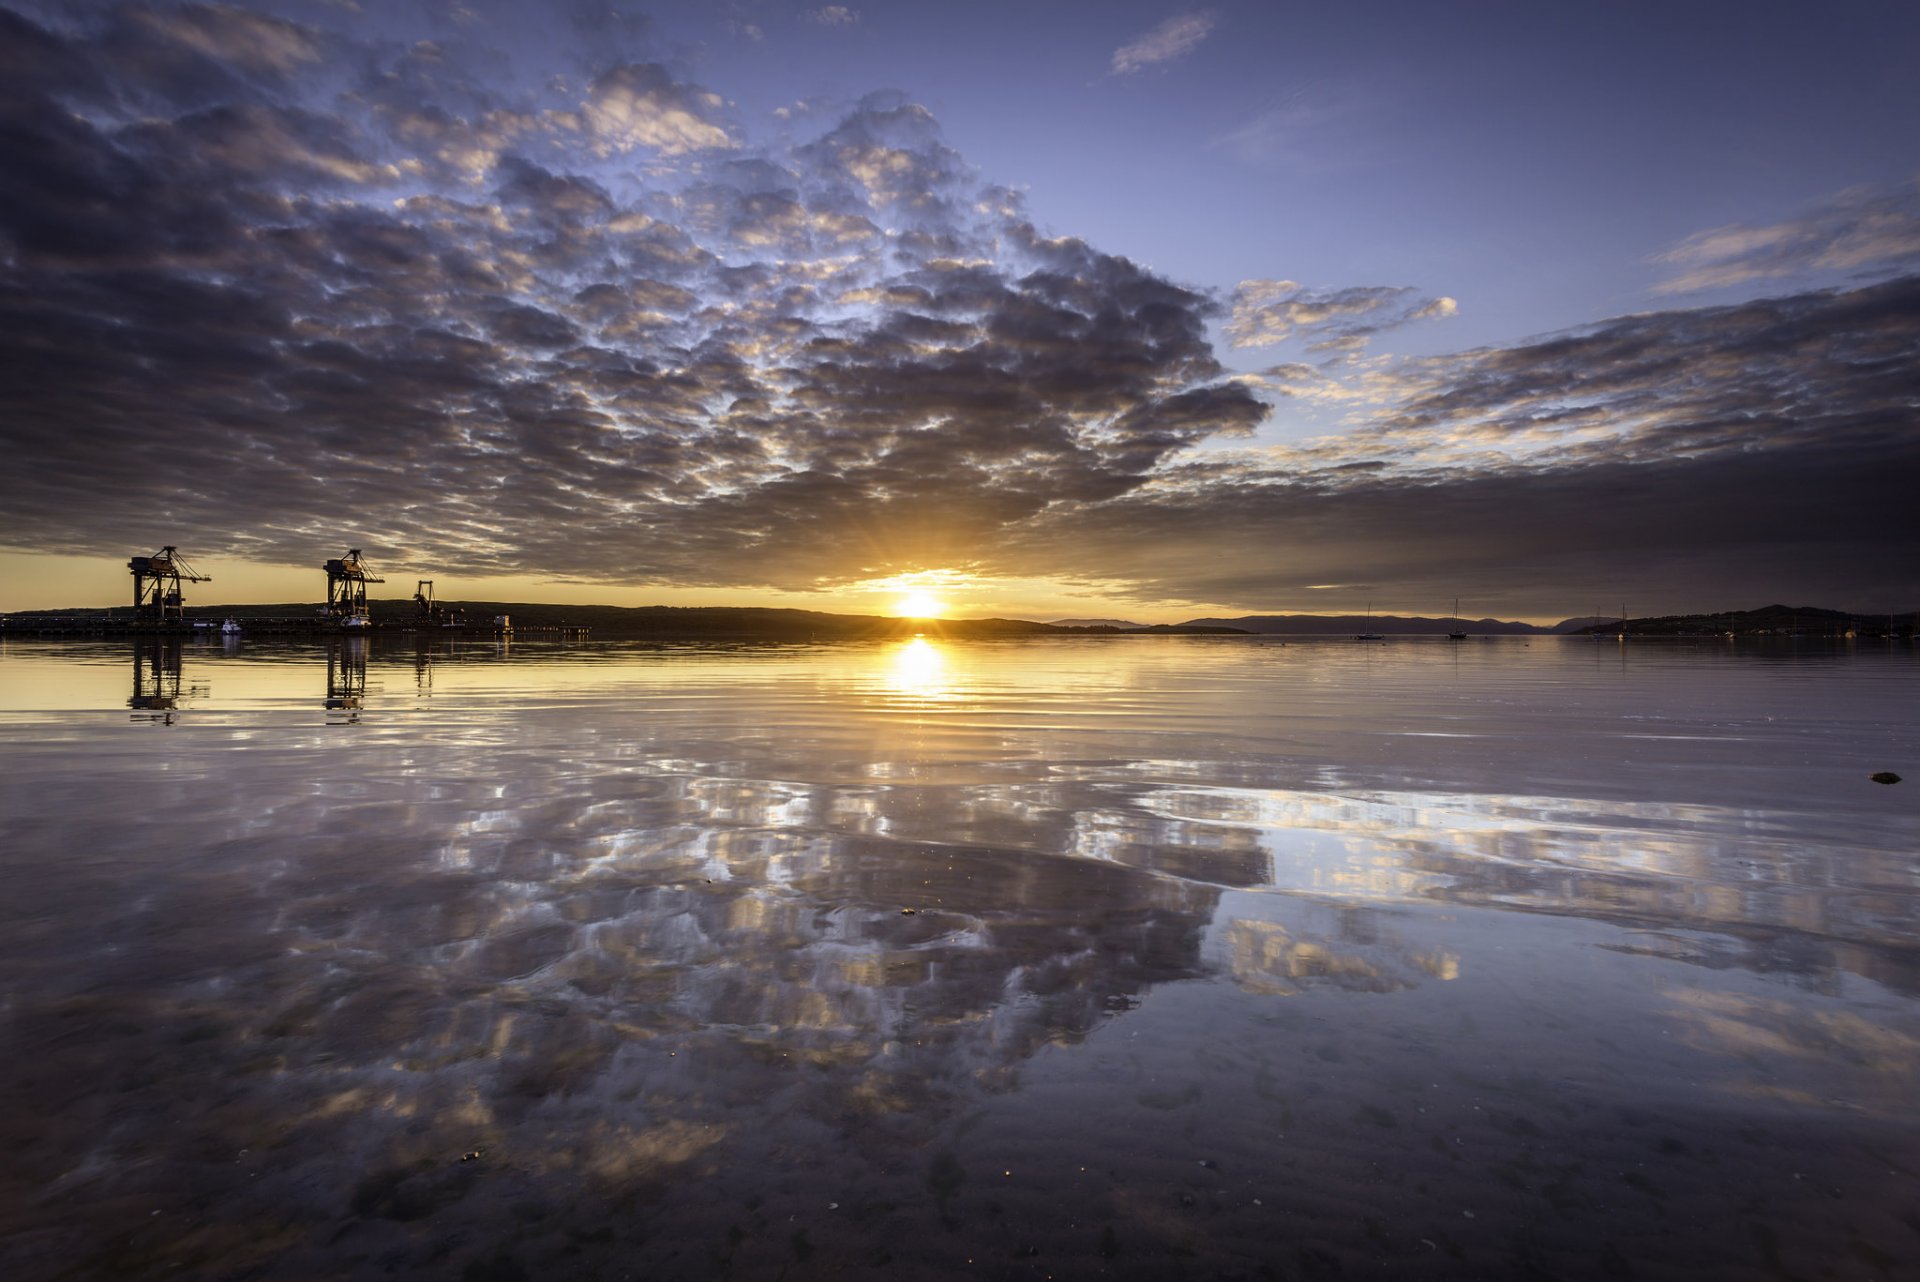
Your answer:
<point x="1690" y="535"/>
<point x="259" y="142"/>
<point x="1708" y="458"/>
<point x="1861" y="232"/>
<point x="1174" y="38"/>
<point x="264" y="306"/>
<point x="1317" y="127"/>
<point x="445" y="309"/>
<point x="888" y="152"/>
<point x="643" y="106"/>
<point x="1822" y="367"/>
<point x="834" y="15"/>
<point x="1340" y="321"/>
<point x="245" y="42"/>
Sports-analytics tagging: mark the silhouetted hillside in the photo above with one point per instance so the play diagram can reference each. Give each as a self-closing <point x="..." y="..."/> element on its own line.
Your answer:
<point x="726" y="622"/>
<point x="1768" y="620"/>
<point x="738" y="623"/>
<point x="749" y="622"/>
<point x="1385" y="624"/>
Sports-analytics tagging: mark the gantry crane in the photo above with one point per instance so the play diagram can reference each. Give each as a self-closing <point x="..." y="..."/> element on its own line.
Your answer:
<point x="347" y="579"/>
<point x="156" y="585"/>
<point x="429" y="613"/>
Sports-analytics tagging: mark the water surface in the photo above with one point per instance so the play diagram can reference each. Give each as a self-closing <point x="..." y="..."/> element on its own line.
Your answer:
<point x="1121" y="957"/>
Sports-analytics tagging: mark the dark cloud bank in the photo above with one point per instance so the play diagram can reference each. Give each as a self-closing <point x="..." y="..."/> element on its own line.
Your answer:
<point x="1690" y="459"/>
<point x="270" y="287"/>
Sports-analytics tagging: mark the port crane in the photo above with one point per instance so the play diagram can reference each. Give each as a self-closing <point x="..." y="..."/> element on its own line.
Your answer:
<point x="431" y="613"/>
<point x="156" y="585"/>
<point x="347" y="579"/>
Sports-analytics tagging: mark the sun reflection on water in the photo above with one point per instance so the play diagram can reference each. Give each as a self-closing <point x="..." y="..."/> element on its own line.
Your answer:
<point x="919" y="668"/>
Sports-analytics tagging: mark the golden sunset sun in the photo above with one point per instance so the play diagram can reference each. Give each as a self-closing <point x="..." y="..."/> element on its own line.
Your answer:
<point x="919" y="604"/>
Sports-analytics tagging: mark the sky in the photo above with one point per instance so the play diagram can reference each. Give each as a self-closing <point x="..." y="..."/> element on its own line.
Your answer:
<point x="1042" y="309"/>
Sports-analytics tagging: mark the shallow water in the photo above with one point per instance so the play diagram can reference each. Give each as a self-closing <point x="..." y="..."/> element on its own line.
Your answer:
<point x="1128" y="957"/>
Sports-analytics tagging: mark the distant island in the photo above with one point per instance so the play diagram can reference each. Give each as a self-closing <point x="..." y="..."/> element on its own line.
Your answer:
<point x="1769" y="620"/>
<point x="1384" y="624"/>
<point x="1122" y="624"/>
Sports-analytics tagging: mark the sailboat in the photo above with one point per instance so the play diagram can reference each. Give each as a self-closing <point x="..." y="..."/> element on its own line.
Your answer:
<point x="1459" y="633"/>
<point x="1369" y="634"/>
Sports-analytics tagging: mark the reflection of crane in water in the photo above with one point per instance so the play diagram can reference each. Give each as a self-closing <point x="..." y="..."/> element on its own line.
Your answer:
<point x="347" y="579"/>
<point x="157" y="686"/>
<point x="156" y="585"/>
<point x="346" y="676"/>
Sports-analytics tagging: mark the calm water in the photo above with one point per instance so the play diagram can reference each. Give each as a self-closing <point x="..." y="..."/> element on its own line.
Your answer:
<point x="1133" y="958"/>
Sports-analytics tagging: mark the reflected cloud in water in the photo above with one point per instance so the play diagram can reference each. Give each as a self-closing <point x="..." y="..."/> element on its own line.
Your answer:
<point x="1852" y="904"/>
<point x="1340" y="948"/>
<point x="643" y="952"/>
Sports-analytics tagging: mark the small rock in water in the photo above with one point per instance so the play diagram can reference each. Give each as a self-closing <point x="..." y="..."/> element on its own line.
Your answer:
<point x="1884" y="776"/>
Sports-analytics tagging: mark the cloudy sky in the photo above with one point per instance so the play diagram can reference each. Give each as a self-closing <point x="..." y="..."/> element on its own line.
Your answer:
<point x="1047" y="308"/>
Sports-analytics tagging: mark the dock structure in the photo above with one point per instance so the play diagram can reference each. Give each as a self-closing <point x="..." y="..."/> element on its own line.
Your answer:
<point x="159" y="610"/>
<point x="347" y="579"/>
<point x="157" y="598"/>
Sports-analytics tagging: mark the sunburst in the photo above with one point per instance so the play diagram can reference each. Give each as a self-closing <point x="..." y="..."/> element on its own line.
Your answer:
<point x="920" y="604"/>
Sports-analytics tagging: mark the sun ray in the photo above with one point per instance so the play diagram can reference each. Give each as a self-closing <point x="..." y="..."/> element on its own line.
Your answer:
<point x="920" y="604"/>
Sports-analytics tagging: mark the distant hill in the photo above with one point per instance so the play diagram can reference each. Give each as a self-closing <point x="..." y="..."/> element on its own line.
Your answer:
<point x="664" y="622"/>
<point x="1771" y="620"/>
<point x="724" y="622"/>
<point x="757" y="622"/>
<point x="1122" y="624"/>
<point x="751" y="623"/>
<point x="1768" y="620"/>
<point x="1385" y="624"/>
